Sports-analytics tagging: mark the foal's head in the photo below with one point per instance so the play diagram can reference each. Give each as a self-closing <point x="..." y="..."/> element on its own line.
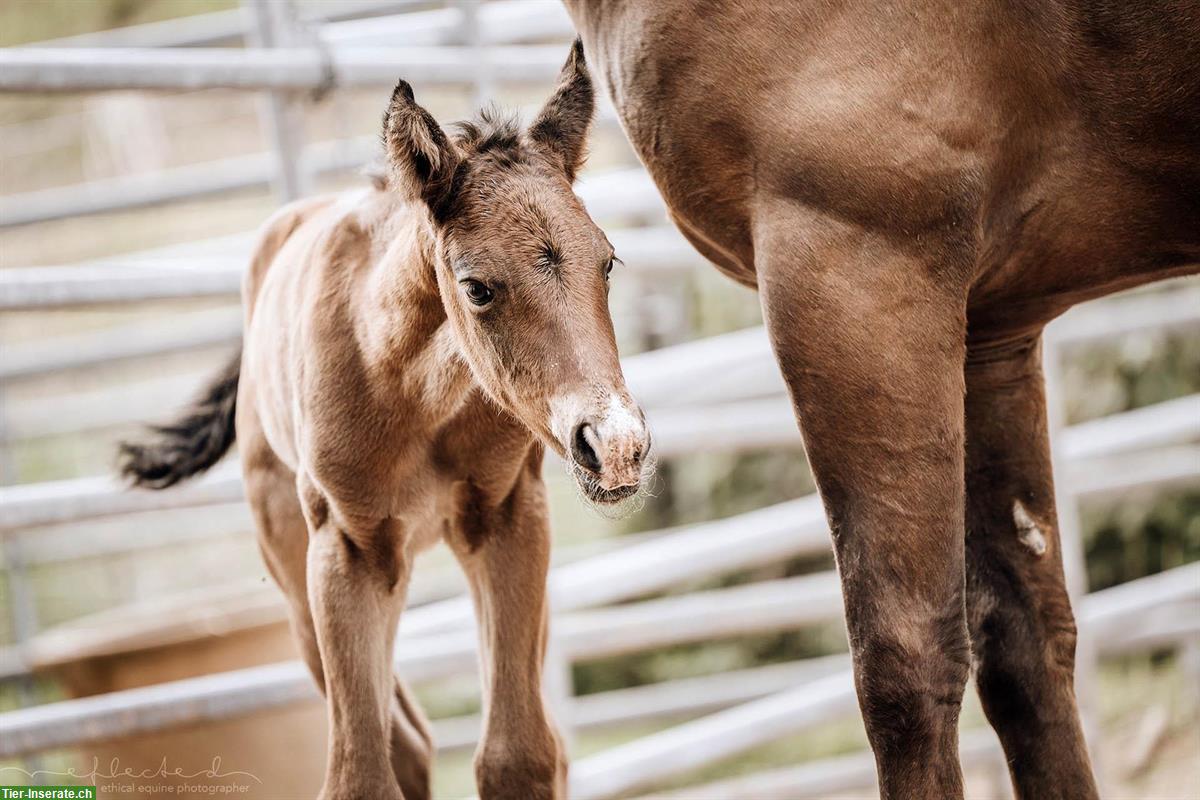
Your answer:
<point x="523" y="274"/>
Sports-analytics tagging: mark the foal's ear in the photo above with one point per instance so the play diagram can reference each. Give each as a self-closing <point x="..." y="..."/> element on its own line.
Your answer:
<point x="561" y="126"/>
<point x="421" y="159"/>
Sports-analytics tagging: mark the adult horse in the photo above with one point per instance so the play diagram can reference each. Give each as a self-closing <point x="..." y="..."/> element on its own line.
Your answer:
<point x="916" y="189"/>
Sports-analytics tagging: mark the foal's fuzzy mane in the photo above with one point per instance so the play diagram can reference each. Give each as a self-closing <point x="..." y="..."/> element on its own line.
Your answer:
<point x="493" y="132"/>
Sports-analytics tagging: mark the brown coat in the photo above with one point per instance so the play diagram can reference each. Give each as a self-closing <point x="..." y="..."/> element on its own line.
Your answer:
<point x="916" y="189"/>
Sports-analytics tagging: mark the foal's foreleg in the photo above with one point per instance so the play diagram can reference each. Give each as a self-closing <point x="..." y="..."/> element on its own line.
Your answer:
<point x="506" y="557"/>
<point x="1022" y="629"/>
<point x="871" y="348"/>
<point x="357" y="579"/>
<point x="283" y="540"/>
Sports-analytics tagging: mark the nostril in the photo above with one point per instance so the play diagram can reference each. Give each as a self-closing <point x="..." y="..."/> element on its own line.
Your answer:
<point x="582" y="450"/>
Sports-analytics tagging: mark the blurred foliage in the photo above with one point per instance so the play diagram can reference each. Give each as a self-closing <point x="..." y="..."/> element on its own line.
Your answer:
<point x="23" y="21"/>
<point x="1131" y="372"/>
<point x="1147" y="532"/>
<point x="1131" y="540"/>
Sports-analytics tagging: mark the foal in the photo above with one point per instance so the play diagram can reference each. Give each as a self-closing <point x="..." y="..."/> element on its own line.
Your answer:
<point x="409" y="353"/>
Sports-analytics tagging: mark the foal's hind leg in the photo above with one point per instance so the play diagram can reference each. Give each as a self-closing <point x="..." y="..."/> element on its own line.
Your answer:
<point x="283" y="540"/>
<point x="870" y="341"/>
<point x="1022" y="629"/>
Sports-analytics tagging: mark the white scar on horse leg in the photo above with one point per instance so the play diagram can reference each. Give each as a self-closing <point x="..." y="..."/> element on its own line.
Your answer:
<point x="1027" y="530"/>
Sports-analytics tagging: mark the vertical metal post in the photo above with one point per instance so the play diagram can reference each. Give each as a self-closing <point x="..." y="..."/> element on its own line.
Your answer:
<point x="1189" y="664"/>
<point x="482" y="86"/>
<point x="282" y="113"/>
<point x="558" y="684"/>
<point x="999" y="782"/>
<point x="23" y="613"/>
<point x="1070" y="531"/>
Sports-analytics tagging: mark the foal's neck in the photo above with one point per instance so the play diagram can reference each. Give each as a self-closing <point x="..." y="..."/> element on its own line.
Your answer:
<point x="405" y="336"/>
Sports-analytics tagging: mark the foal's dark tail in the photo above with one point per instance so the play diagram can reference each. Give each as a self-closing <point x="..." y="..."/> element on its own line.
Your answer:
<point x="192" y="443"/>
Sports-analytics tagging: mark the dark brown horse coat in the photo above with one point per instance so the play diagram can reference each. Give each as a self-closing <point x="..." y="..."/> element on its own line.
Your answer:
<point x="917" y="188"/>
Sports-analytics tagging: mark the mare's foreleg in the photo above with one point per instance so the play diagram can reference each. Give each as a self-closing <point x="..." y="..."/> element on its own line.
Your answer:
<point x="1022" y="628"/>
<point x="870" y="340"/>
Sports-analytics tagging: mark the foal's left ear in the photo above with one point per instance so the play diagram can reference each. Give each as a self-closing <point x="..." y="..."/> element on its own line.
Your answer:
<point x="561" y="126"/>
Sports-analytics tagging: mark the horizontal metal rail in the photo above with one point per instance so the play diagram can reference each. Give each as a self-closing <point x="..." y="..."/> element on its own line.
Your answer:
<point x="1161" y="468"/>
<point x="662" y="701"/>
<point x="25" y="288"/>
<point x="33" y="504"/>
<point x="581" y="635"/>
<point x="501" y="22"/>
<point x="680" y="749"/>
<point x="1171" y="306"/>
<point x="193" y="180"/>
<point x="177" y="183"/>
<point x="358" y="22"/>
<point x="41" y="69"/>
<point x="828" y="776"/>
<point x="223" y="27"/>
<point x="651" y="759"/>
<point x="141" y="339"/>
<point x="738" y="425"/>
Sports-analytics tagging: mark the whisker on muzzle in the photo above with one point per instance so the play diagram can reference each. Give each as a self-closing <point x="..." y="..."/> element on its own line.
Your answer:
<point x="612" y="505"/>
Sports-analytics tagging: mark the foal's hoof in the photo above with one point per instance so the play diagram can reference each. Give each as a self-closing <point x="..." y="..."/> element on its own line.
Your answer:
<point x="361" y="792"/>
<point x="518" y="778"/>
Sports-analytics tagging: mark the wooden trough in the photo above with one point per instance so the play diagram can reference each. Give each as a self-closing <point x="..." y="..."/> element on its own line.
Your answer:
<point x="271" y="754"/>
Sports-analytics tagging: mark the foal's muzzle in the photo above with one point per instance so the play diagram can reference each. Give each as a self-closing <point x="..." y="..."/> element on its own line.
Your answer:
<point x="609" y="449"/>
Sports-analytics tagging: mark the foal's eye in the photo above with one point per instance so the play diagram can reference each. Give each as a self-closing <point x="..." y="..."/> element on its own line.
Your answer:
<point x="477" y="293"/>
<point x="609" y="268"/>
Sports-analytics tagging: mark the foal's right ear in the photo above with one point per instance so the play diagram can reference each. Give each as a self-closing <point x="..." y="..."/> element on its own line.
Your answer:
<point x="421" y="159"/>
<point x="561" y="127"/>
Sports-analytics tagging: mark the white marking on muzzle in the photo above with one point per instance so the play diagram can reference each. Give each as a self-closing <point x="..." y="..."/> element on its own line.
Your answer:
<point x="619" y="420"/>
<point x="1028" y="530"/>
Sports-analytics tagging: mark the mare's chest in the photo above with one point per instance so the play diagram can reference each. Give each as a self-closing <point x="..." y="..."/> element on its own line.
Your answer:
<point x="928" y="131"/>
<point x="733" y="116"/>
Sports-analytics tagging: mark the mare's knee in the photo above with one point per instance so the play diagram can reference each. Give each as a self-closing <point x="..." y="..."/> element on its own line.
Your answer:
<point x="911" y="679"/>
<point x="1024" y="664"/>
